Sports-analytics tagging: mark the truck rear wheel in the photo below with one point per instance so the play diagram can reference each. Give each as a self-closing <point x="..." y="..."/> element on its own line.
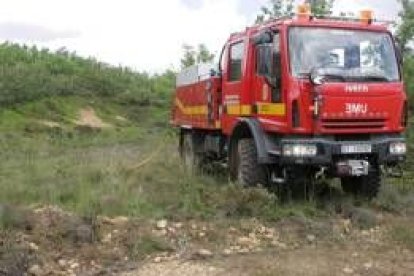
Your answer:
<point x="247" y="170"/>
<point x="190" y="159"/>
<point x="366" y="186"/>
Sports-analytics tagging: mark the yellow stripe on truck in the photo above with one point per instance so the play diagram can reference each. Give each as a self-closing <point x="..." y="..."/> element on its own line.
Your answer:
<point x="273" y="109"/>
<point x="239" y="110"/>
<point x="270" y="109"/>
<point x="191" y="110"/>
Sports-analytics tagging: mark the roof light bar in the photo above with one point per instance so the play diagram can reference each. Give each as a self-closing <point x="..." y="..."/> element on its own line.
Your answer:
<point x="366" y="16"/>
<point x="304" y="11"/>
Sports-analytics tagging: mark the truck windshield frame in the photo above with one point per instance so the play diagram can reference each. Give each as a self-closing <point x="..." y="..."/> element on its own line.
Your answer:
<point x="343" y="55"/>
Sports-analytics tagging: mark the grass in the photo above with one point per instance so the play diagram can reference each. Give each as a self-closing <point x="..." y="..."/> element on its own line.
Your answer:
<point x="107" y="171"/>
<point x="404" y="235"/>
<point x="102" y="172"/>
<point x="144" y="245"/>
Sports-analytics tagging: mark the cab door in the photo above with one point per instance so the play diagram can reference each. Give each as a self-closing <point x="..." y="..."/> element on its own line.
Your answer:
<point x="267" y="82"/>
<point x="234" y="65"/>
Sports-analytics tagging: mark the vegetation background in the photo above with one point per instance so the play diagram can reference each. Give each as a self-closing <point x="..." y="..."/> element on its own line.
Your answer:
<point x="49" y="158"/>
<point x="127" y="163"/>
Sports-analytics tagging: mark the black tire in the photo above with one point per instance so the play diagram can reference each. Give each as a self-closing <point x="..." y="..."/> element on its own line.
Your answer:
<point x="248" y="172"/>
<point x="351" y="185"/>
<point x="365" y="186"/>
<point x="190" y="159"/>
<point x="300" y="185"/>
<point x="372" y="183"/>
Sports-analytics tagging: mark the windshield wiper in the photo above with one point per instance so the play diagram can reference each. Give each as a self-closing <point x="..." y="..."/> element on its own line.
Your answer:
<point x="335" y="77"/>
<point x="376" y="78"/>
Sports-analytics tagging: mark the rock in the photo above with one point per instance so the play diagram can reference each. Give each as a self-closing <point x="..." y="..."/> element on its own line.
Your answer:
<point x="232" y="230"/>
<point x="311" y="238"/>
<point x="244" y="251"/>
<point x="365" y="233"/>
<point x="252" y="236"/>
<point x="368" y="266"/>
<point x="203" y="254"/>
<point x="346" y="225"/>
<point x="62" y="263"/>
<point x="171" y="230"/>
<point x="74" y="265"/>
<point x="120" y="220"/>
<point x="158" y="259"/>
<point x="84" y="234"/>
<point x="33" y="246"/>
<point x="107" y="238"/>
<point x="262" y="230"/>
<point x="227" y="252"/>
<point x="162" y="224"/>
<point x="36" y="270"/>
<point x="348" y="270"/>
<point x="244" y="241"/>
<point x="235" y="248"/>
<point x="178" y="225"/>
<point x="160" y="233"/>
<point x="279" y="244"/>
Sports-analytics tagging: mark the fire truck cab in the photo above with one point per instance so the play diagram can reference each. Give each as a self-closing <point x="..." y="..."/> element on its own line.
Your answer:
<point x="297" y="98"/>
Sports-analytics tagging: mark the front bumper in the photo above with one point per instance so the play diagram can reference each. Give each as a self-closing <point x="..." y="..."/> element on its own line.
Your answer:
<point x="329" y="151"/>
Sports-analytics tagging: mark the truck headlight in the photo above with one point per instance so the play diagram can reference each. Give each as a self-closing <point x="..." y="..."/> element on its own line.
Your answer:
<point x="300" y="150"/>
<point x="398" y="148"/>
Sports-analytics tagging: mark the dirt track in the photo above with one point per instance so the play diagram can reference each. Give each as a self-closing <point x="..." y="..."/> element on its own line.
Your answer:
<point x="347" y="259"/>
<point x="343" y="250"/>
<point x="56" y="242"/>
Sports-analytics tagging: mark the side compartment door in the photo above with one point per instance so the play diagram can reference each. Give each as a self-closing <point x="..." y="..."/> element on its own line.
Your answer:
<point x="233" y="81"/>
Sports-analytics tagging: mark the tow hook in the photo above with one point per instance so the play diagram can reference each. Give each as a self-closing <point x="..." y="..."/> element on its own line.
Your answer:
<point x="394" y="171"/>
<point x="352" y="168"/>
<point x="279" y="179"/>
<point x="321" y="174"/>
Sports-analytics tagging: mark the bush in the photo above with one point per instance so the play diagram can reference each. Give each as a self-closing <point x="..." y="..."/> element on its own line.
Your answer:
<point x="28" y="74"/>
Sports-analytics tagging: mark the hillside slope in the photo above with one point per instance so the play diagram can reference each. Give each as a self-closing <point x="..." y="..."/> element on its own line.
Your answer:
<point x="91" y="183"/>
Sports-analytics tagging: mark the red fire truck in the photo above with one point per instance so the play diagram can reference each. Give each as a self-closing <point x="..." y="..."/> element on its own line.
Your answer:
<point x="298" y="98"/>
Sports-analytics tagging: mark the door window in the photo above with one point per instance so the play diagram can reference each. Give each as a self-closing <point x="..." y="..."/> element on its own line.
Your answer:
<point x="236" y="61"/>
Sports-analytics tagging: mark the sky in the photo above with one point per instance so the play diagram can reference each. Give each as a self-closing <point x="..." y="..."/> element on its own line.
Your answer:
<point x="146" y="35"/>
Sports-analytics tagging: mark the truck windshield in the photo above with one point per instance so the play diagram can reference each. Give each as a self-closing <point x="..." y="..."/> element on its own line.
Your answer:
<point x="343" y="55"/>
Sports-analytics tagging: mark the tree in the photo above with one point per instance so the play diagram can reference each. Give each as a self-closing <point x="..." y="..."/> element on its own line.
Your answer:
<point x="405" y="31"/>
<point x="321" y="7"/>
<point x="203" y="54"/>
<point x="280" y="8"/>
<point x="275" y="9"/>
<point x="405" y="36"/>
<point x="189" y="58"/>
<point x="192" y="56"/>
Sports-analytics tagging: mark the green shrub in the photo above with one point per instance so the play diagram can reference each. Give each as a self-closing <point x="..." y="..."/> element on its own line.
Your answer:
<point x="28" y="74"/>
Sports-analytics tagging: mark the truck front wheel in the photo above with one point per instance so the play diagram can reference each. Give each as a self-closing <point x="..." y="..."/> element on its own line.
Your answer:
<point x="245" y="168"/>
<point x="366" y="186"/>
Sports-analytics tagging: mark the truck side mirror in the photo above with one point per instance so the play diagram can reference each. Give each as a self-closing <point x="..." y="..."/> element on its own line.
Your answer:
<point x="265" y="37"/>
<point x="399" y="53"/>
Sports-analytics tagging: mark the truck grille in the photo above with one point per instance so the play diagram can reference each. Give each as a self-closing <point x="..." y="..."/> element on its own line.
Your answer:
<point x="353" y="123"/>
